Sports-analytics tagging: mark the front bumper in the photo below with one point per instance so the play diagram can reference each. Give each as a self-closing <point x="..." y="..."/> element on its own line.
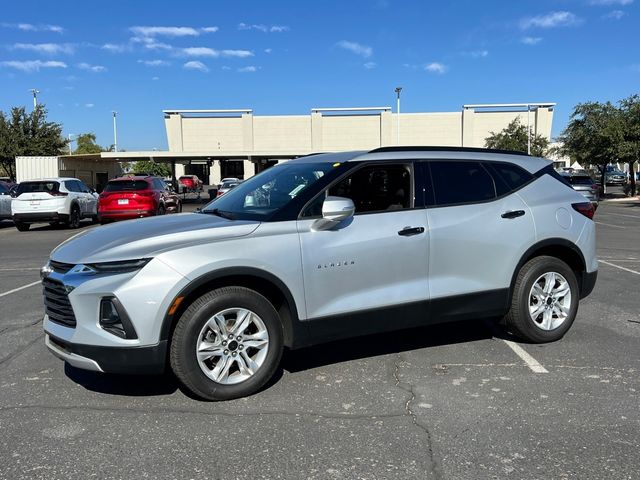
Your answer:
<point x="36" y="217"/>
<point x="150" y="359"/>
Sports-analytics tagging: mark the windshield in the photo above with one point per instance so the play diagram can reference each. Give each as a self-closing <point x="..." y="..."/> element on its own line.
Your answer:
<point x="259" y="197"/>
<point x="35" y="187"/>
<point x="126" y="186"/>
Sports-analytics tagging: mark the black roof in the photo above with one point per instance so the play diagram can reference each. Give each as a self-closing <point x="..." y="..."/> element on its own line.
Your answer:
<point x="447" y="149"/>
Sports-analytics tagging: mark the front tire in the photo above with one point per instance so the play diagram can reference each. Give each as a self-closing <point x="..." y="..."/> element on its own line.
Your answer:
<point x="227" y="344"/>
<point x="22" y="227"/>
<point x="545" y="300"/>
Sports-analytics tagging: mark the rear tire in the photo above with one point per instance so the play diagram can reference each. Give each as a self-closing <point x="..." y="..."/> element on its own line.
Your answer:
<point x="161" y="210"/>
<point x="545" y="300"/>
<point x="22" y="227"/>
<point x="239" y="336"/>
<point x="74" y="218"/>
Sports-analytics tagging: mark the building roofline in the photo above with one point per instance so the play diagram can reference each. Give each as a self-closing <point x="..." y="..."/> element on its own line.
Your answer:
<point x="510" y="105"/>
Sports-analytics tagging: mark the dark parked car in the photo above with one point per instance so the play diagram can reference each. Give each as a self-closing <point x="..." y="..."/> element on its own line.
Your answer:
<point x="613" y="176"/>
<point x="585" y="185"/>
<point x="136" y="197"/>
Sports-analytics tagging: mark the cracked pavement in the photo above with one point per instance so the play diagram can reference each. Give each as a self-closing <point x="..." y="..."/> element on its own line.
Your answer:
<point x="445" y="402"/>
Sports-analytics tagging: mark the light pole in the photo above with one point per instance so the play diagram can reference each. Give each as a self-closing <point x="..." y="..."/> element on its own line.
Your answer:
<point x="35" y="92"/>
<point x="528" y="129"/>
<point x="398" y="90"/>
<point x="115" y="132"/>
<point x="70" y="140"/>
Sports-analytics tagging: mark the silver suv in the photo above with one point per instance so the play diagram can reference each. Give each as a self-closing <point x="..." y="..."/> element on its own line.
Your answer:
<point x="324" y="247"/>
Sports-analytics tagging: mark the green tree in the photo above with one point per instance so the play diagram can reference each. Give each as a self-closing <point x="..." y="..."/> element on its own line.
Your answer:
<point x="514" y="137"/>
<point x="593" y="135"/>
<point x="629" y="150"/>
<point x="23" y="134"/>
<point x="152" y="168"/>
<point x="86" y="143"/>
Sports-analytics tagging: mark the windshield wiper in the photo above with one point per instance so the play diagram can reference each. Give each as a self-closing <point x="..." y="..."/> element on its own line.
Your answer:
<point x="219" y="213"/>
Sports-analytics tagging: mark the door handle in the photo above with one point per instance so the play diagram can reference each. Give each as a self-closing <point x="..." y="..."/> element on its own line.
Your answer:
<point x="513" y="214"/>
<point x="408" y="231"/>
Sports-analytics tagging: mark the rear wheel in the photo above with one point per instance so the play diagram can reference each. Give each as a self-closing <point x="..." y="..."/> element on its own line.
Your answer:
<point x="74" y="217"/>
<point x="22" y="227"/>
<point x="161" y="210"/>
<point x="227" y="344"/>
<point x="545" y="300"/>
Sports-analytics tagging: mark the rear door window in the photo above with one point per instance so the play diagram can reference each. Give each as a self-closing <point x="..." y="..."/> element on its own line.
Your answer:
<point x="460" y="182"/>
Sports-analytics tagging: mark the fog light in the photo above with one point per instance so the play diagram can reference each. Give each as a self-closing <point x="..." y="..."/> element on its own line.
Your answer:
<point x="114" y="319"/>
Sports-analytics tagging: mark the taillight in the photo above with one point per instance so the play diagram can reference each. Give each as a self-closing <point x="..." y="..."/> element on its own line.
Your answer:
<point x="219" y="193"/>
<point x="146" y="193"/>
<point x="585" y="208"/>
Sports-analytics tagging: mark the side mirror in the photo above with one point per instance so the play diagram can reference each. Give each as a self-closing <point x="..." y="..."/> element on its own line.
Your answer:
<point x="334" y="211"/>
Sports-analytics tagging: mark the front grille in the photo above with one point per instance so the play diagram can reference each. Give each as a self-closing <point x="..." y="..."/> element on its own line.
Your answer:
<point x="60" y="267"/>
<point x="56" y="303"/>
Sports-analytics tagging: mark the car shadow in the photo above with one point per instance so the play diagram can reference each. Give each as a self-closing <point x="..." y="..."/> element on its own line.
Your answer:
<point x="123" y="385"/>
<point x="388" y="343"/>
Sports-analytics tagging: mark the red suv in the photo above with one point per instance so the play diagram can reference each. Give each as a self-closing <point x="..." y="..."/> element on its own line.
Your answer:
<point x="135" y="197"/>
<point x="191" y="183"/>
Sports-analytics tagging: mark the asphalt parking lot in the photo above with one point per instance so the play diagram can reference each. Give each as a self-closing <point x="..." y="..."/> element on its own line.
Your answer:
<point x="459" y="401"/>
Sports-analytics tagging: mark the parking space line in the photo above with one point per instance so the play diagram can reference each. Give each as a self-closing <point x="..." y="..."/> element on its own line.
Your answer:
<point x="3" y="294"/>
<point x="18" y="269"/>
<point x="609" y="225"/>
<point x="531" y="362"/>
<point x="618" y="266"/>
<point x="623" y="215"/>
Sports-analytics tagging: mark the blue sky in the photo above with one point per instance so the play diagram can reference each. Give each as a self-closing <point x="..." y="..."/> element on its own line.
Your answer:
<point x="286" y="57"/>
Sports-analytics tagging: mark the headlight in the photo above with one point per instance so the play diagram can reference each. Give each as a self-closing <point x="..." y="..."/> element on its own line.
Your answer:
<point x="119" y="267"/>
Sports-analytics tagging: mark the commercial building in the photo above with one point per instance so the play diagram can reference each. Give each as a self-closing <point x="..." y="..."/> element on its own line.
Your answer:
<point x="214" y="144"/>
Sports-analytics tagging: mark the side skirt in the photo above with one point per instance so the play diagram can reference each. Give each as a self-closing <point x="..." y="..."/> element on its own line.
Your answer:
<point x="492" y="303"/>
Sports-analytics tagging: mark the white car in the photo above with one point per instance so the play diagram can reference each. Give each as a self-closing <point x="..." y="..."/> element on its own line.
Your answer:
<point x="53" y="200"/>
<point x="320" y="248"/>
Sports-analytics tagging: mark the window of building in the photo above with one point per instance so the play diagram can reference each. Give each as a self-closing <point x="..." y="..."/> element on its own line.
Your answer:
<point x="457" y="182"/>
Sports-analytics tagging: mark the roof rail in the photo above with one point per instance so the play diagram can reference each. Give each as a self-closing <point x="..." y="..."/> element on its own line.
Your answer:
<point x="446" y="149"/>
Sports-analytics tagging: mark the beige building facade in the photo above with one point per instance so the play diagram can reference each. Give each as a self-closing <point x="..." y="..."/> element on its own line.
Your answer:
<point x="238" y="143"/>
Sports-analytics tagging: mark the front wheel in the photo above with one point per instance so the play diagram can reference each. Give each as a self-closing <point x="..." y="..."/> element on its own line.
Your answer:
<point x="545" y="300"/>
<point x="22" y="227"/>
<point x="227" y="344"/>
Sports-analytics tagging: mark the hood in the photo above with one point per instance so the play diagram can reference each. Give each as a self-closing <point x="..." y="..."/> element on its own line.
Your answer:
<point x="148" y="237"/>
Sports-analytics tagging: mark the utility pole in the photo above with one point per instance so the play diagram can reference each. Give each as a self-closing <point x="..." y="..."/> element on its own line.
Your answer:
<point x="115" y="132"/>
<point x="398" y="90"/>
<point x="70" y="140"/>
<point x="35" y="92"/>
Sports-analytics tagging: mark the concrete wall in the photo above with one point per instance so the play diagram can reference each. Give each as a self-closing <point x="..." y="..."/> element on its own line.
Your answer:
<point x="31" y="168"/>
<point x="336" y="131"/>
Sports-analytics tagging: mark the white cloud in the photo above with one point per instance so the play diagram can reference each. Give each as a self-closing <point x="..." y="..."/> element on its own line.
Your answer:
<point x="263" y="28"/>
<point x="155" y="78"/>
<point x="115" y="48"/>
<point x="154" y="63"/>
<point x="32" y="65"/>
<point x="46" y="48"/>
<point x="611" y="2"/>
<point x="164" y="31"/>
<point x="89" y="105"/>
<point x="210" y="29"/>
<point x="362" y="50"/>
<point x="157" y="46"/>
<point x="248" y="69"/>
<point x="370" y="65"/>
<point x="614" y="14"/>
<point x="268" y="50"/>
<point x="478" y="53"/>
<point x="550" y="20"/>
<point x="226" y="67"/>
<point x="210" y="52"/>
<point x="28" y="27"/>
<point x="531" y="40"/>
<point x="195" y="65"/>
<point x="436" y="67"/>
<point x="92" y="68"/>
